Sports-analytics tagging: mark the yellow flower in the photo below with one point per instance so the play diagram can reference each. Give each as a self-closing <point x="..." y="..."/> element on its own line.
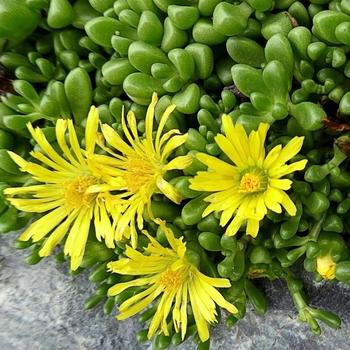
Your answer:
<point x="326" y="267"/>
<point x="245" y="190"/>
<point x="70" y="191"/>
<point x="139" y="166"/>
<point x="167" y="271"/>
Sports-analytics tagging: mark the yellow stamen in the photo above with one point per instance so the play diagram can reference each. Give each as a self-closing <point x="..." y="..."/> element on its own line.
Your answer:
<point x="250" y="182"/>
<point x="172" y="280"/>
<point x="326" y="267"/>
<point x="139" y="172"/>
<point x="75" y="192"/>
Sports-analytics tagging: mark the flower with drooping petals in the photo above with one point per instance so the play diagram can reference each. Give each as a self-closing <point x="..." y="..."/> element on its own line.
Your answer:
<point x="139" y="165"/>
<point x="168" y="274"/>
<point x="70" y="192"/>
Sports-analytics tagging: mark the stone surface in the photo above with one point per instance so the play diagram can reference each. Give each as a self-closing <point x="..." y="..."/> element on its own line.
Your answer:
<point x="41" y="308"/>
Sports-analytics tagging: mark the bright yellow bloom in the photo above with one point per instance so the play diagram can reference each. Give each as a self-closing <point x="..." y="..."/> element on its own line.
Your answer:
<point x="167" y="271"/>
<point x="245" y="190"/>
<point x="139" y="166"/>
<point x="70" y="191"/>
<point x="326" y="267"/>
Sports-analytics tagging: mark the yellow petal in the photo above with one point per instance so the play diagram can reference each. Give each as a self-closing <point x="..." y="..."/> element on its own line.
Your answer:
<point x="153" y="242"/>
<point x="219" y="299"/>
<point x="177" y="311"/>
<point x="205" y="303"/>
<point x="165" y="116"/>
<point x="288" y="169"/>
<point x="166" y="137"/>
<point x="139" y="306"/>
<point x="240" y="140"/>
<point x="262" y="130"/>
<point x="229" y="206"/>
<point x="57" y="236"/>
<point x="37" y="205"/>
<point x="113" y="138"/>
<point x="133" y="142"/>
<point x="215" y="282"/>
<point x="60" y="129"/>
<point x="17" y="159"/>
<point x="27" y="189"/>
<point x="43" y="174"/>
<point x="211" y="182"/>
<point x="133" y="125"/>
<point x="288" y="204"/>
<point x="149" y="117"/>
<point x="255" y="146"/>
<point x="137" y="297"/>
<point x="282" y="184"/>
<point x="289" y="151"/>
<point x="47" y="161"/>
<point x="272" y="199"/>
<point x="217" y="164"/>
<point x="166" y="310"/>
<point x="120" y="287"/>
<point x="175" y="243"/>
<point x="158" y="316"/>
<point x="201" y="324"/>
<point x="91" y="129"/>
<point x="252" y="227"/>
<point x="183" y="310"/>
<point x="234" y="225"/>
<point x="227" y="147"/>
<point x="100" y="188"/>
<point x="172" y="144"/>
<point x="209" y="209"/>
<point x="74" y="142"/>
<point x="272" y="156"/>
<point x="41" y="140"/>
<point x="237" y="136"/>
<point x="181" y="162"/>
<point x="103" y="226"/>
<point x="77" y="237"/>
<point x="44" y="225"/>
<point x="260" y="208"/>
<point x="168" y="190"/>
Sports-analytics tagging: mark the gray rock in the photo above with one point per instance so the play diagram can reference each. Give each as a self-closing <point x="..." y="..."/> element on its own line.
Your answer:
<point x="41" y="308"/>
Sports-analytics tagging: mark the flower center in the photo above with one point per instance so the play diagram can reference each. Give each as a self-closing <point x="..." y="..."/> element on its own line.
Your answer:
<point x="139" y="172"/>
<point x="253" y="179"/>
<point x="171" y="279"/>
<point x="75" y="192"/>
<point x="326" y="267"/>
<point x="250" y="182"/>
